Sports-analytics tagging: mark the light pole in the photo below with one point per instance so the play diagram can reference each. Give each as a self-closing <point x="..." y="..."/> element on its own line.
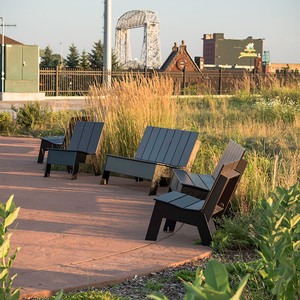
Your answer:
<point x="61" y="58"/>
<point x="107" y="41"/>
<point x="2" y="57"/>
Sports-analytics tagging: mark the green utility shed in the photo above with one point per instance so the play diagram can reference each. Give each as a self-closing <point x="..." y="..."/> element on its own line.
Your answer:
<point x="21" y="68"/>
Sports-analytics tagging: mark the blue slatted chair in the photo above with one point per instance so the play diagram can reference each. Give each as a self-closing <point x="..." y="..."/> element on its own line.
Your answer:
<point x="83" y="145"/>
<point x="160" y="151"/>
<point x="58" y="141"/>
<point x="179" y="207"/>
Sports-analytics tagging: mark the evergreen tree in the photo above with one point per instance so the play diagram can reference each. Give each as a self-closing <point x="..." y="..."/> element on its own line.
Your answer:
<point x="114" y="61"/>
<point x="47" y="60"/>
<point x="84" y="61"/>
<point x="96" y="55"/>
<point x="72" y="60"/>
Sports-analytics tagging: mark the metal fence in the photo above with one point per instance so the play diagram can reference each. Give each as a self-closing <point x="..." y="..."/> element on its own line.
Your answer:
<point x="71" y="82"/>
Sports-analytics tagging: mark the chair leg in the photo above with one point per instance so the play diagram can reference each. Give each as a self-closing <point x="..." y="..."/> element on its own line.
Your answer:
<point x="105" y="177"/>
<point x="41" y="153"/>
<point x="169" y="225"/>
<point x="75" y="170"/>
<point x="154" y="224"/>
<point x="69" y="169"/>
<point x="47" y="170"/>
<point x="203" y="229"/>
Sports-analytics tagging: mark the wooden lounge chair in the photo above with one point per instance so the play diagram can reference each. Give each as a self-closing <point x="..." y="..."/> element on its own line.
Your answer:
<point x="160" y="150"/>
<point x="83" y="145"/>
<point x="175" y="206"/>
<point x="199" y="185"/>
<point x="58" y="141"/>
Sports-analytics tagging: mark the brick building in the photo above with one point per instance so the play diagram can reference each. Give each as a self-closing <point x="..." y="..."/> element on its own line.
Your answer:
<point x="227" y="53"/>
<point x="179" y="59"/>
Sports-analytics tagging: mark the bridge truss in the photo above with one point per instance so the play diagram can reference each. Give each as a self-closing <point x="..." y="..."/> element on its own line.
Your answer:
<point x="150" y="54"/>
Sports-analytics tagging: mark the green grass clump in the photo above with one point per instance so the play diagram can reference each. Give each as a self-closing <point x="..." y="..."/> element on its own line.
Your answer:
<point x="90" y="295"/>
<point x="186" y="275"/>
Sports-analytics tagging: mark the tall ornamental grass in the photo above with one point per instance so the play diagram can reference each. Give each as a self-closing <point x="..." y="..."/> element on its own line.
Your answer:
<point x="266" y="125"/>
<point x="127" y="107"/>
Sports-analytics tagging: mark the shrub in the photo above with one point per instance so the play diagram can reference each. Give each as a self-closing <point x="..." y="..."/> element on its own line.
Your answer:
<point x="6" y="122"/>
<point x="278" y="240"/>
<point x="8" y="213"/>
<point x="235" y="232"/>
<point x="32" y="114"/>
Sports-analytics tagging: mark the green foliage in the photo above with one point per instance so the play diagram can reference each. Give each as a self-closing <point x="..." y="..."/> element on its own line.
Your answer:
<point x="6" y="122"/>
<point x="84" y="61"/>
<point x="50" y="60"/>
<point x="272" y="110"/>
<point x="8" y="213"/>
<point x="235" y="232"/>
<point x="279" y="240"/>
<point x="72" y="60"/>
<point x="87" y="295"/>
<point x="185" y="275"/>
<point x="213" y="285"/>
<point x="96" y="55"/>
<point x="32" y="114"/>
<point x="255" y="287"/>
<point x="153" y="285"/>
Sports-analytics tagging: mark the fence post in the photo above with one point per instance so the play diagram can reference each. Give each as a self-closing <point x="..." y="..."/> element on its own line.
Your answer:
<point x="103" y="74"/>
<point x="220" y="82"/>
<point x="145" y="72"/>
<point x="56" y="82"/>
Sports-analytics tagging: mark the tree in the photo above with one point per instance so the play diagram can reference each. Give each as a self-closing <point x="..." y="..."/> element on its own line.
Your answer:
<point x="114" y="61"/>
<point x="50" y="60"/>
<point x="47" y="59"/>
<point x="96" y="56"/>
<point x="84" y="61"/>
<point x="72" y="60"/>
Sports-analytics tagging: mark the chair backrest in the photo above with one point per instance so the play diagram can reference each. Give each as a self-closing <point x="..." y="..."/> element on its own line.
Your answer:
<point x="167" y="146"/>
<point x="70" y="129"/>
<point x="86" y="137"/>
<point x="223" y="188"/>
<point x="232" y="153"/>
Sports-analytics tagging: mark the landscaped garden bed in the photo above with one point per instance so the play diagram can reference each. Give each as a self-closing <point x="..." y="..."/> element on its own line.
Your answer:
<point x="265" y="122"/>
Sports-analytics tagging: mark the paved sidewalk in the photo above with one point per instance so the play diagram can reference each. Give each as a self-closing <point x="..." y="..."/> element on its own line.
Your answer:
<point x="77" y="233"/>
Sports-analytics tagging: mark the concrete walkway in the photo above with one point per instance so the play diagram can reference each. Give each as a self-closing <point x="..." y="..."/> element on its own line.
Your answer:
<point x="79" y="234"/>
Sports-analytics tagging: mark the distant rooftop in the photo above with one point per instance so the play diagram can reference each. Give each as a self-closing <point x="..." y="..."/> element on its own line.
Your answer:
<point x="8" y="40"/>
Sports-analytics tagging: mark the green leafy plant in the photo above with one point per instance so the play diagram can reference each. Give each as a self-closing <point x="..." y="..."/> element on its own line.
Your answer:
<point x="279" y="240"/>
<point x="256" y="287"/>
<point x="185" y="275"/>
<point x="87" y="295"/>
<point x="234" y="232"/>
<point x="32" y="114"/>
<point x="213" y="285"/>
<point x="153" y="285"/>
<point x="6" y="122"/>
<point x="8" y="213"/>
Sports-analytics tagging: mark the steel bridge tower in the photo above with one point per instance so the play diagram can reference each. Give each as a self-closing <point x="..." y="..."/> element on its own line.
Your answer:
<point x="151" y="44"/>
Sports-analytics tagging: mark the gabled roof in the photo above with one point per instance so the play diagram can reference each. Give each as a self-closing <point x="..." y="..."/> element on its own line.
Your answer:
<point x="9" y="41"/>
<point x="179" y="54"/>
<point x="169" y="60"/>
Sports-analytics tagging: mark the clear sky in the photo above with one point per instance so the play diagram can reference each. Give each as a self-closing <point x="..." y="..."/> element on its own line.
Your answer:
<point x="59" y="23"/>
